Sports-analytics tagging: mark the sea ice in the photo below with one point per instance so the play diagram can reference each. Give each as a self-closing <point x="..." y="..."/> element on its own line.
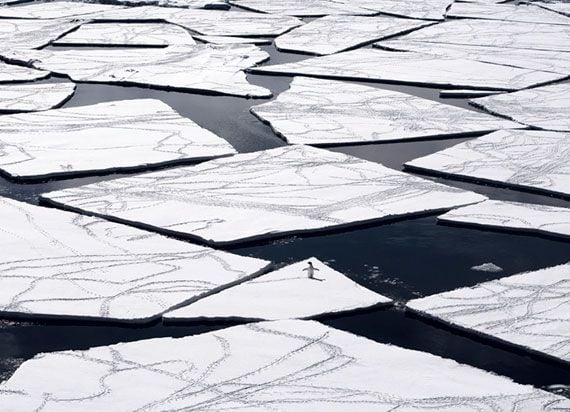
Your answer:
<point x="534" y="160"/>
<point x="31" y="97"/>
<point x="333" y="34"/>
<point x="65" y="265"/>
<point x="304" y="8"/>
<point x="263" y="194"/>
<point x="11" y="73"/>
<point x="549" y="220"/>
<point x="103" y="137"/>
<point x="232" y="40"/>
<point x="127" y="34"/>
<point x="32" y="33"/>
<point x="413" y="68"/>
<point x="529" y="310"/>
<point x="546" y="107"/>
<point x="284" y="294"/>
<point x="487" y="267"/>
<point x="506" y="12"/>
<point x="56" y="10"/>
<point x="203" y="67"/>
<point x="328" y="112"/>
<point x="288" y="365"/>
<point x="416" y="9"/>
<point x="562" y="7"/>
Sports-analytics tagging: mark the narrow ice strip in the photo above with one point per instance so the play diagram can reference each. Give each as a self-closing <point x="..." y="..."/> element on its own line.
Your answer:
<point x="232" y="40"/>
<point x="55" y="10"/>
<point x="329" y="112"/>
<point x="465" y="93"/>
<point x="333" y="34"/>
<point x="545" y="107"/>
<point x="291" y="189"/>
<point x="33" y="97"/>
<point x="529" y="310"/>
<point x="288" y="365"/>
<point x="63" y="265"/>
<point x="191" y="4"/>
<point x="303" y="8"/>
<point x="549" y="220"/>
<point x="416" y="9"/>
<point x="523" y="13"/>
<point x="104" y="137"/>
<point x="412" y="68"/>
<point x="523" y="159"/>
<point x="127" y="34"/>
<point x="207" y="68"/>
<point x="287" y="293"/>
<point x="32" y="33"/>
<point x="10" y="73"/>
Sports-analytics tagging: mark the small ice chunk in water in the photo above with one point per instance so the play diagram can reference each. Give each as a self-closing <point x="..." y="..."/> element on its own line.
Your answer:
<point x="487" y="267"/>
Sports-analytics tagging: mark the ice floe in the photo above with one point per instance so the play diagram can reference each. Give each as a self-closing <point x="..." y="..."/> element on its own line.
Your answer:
<point x="417" y="9"/>
<point x="413" y="68"/>
<point x="263" y="194"/>
<point x="31" y="33"/>
<point x="546" y="107"/>
<point x="333" y="34"/>
<point x="549" y="220"/>
<point x="506" y="12"/>
<point x="328" y="112"/>
<point x="103" y="137"/>
<point x="192" y="4"/>
<point x="523" y="159"/>
<point x="56" y="10"/>
<point x="487" y="267"/>
<point x="11" y="73"/>
<point x="202" y="67"/>
<point x="232" y="40"/>
<point x="127" y="34"/>
<point x="287" y="293"/>
<point x="529" y="310"/>
<point x="304" y="8"/>
<point x="33" y="97"/>
<point x="288" y="365"/>
<point x="60" y="264"/>
<point x="562" y="7"/>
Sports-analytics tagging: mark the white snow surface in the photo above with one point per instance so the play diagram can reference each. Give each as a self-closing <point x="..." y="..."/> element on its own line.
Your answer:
<point x="56" y="10"/>
<point x="304" y="8"/>
<point x="543" y="219"/>
<point x="321" y="112"/>
<point x="263" y="194"/>
<point x="65" y="265"/>
<point x="416" y="9"/>
<point x="524" y="13"/>
<point x="103" y="137"/>
<point x="286" y="293"/>
<point x="13" y="73"/>
<point x="529" y="310"/>
<point x="525" y="159"/>
<point x="31" y="97"/>
<point x="288" y="365"/>
<point x="32" y="33"/>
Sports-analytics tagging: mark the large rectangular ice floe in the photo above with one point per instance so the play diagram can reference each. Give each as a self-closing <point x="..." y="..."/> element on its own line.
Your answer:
<point x="286" y="293"/>
<point x="531" y="160"/>
<point x="529" y="310"/>
<point x="288" y="365"/>
<point x="524" y="13"/>
<point x="56" y="10"/>
<point x="63" y="265"/>
<point x="12" y="73"/>
<point x="413" y="68"/>
<point x="333" y="34"/>
<point x="304" y="8"/>
<point x="548" y="220"/>
<point x="329" y="112"/>
<point x="32" y="33"/>
<point x="204" y="67"/>
<point x="32" y="97"/>
<point x="264" y="194"/>
<point x="103" y="137"/>
<point x="546" y="107"/>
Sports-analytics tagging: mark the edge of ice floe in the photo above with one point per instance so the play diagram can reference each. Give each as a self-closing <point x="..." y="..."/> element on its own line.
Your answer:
<point x="55" y="106"/>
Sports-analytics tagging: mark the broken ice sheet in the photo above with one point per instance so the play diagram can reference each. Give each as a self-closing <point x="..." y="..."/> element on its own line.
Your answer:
<point x="416" y="9"/>
<point x="11" y="73"/>
<point x="127" y="34"/>
<point x="192" y="4"/>
<point x="263" y="194"/>
<point x="60" y="264"/>
<point x="561" y="7"/>
<point x="56" y="10"/>
<point x="509" y="12"/>
<point x="286" y="293"/>
<point x="548" y="220"/>
<point x="546" y="107"/>
<point x="288" y="365"/>
<point x="303" y="8"/>
<point x="213" y="68"/>
<point x="31" y="33"/>
<point x="103" y="137"/>
<point x="523" y="159"/>
<point x="333" y="34"/>
<point x="412" y="68"/>
<point x="329" y="112"/>
<point x="31" y="97"/>
<point x="529" y="310"/>
<point x="232" y="40"/>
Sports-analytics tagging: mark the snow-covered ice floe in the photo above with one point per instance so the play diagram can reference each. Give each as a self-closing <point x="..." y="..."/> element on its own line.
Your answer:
<point x="64" y="265"/>
<point x="31" y="97"/>
<point x="561" y="7"/>
<point x="333" y="34"/>
<point x="191" y="4"/>
<point x="329" y="112"/>
<point x="11" y="73"/>
<point x="416" y="9"/>
<point x="487" y="267"/>
<point x="534" y="160"/>
<point x="127" y="34"/>
<point x="549" y="220"/>
<point x="286" y="293"/>
<point x="506" y="12"/>
<point x="232" y="40"/>
<point x="103" y="137"/>
<point x="32" y="33"/>
<point x="203" y="67"/>
<point x="304" y="8"/>
<point x="263" y="194"/>
<point x="529" y="310"/>
<point x="288" y="365"/>
<point x="413" y="68"/>
<point x="546" y="107"/>
<point x="56" y="10"/>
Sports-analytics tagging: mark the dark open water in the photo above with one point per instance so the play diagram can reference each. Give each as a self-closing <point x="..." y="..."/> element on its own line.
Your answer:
<point x="402" y="260"/>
